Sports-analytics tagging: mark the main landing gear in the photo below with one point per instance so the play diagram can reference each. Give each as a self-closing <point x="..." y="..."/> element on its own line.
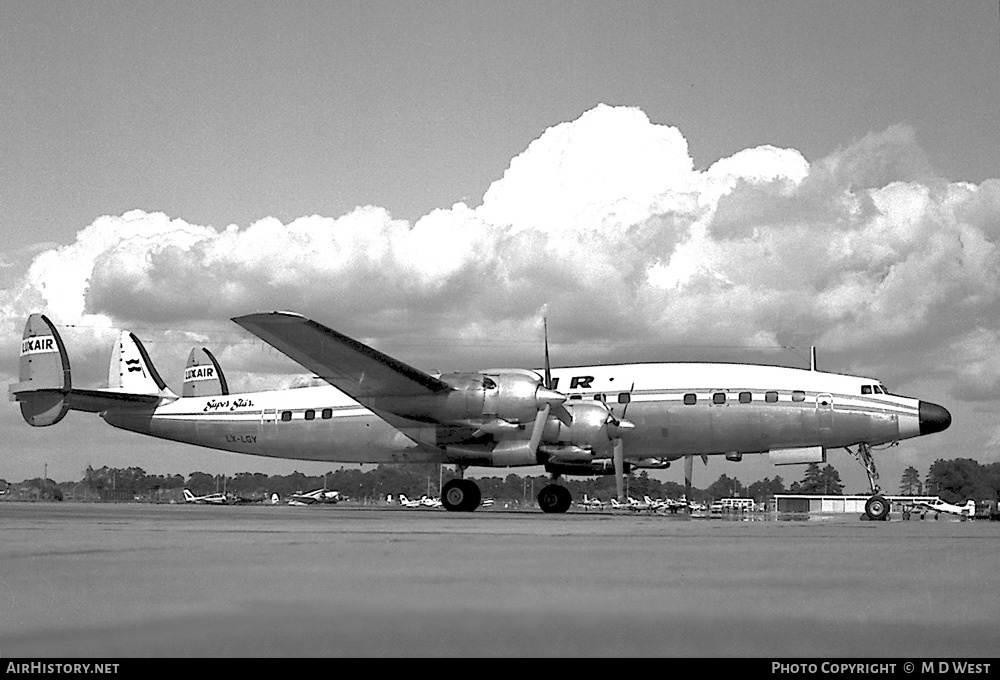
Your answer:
<point x="460" y="495"/>
<point x="877" y="507"/>
<point x="554" y="498"/>
<point x="463" y="495"/>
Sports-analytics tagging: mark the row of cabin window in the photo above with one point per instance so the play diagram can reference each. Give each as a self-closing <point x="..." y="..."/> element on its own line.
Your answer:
<point x="325" y="414"/>
<point x="745" y="397"/>
<point x="717" y="398"/>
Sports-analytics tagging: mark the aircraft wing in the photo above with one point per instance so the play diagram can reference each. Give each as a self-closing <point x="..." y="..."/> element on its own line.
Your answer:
<point x="350" y="366"/>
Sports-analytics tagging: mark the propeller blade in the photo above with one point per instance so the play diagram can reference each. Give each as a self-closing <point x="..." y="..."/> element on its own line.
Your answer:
<point x="548" y="369"/>
<point x="688" y="471"/>
<point x="619" y="458"/>
<point x="537" y="428"/>
<point x="564" y="416"/>
<point x="625" y="410"/>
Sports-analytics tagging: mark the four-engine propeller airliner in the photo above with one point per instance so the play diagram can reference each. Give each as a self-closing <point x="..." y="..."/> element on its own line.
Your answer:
<point x="377" y="409"/>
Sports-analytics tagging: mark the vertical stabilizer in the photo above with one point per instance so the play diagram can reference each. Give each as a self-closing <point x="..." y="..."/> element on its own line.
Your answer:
<point x="131" y="369"/>
<point x="203" y="376"/>
<point x="44" y="375"/>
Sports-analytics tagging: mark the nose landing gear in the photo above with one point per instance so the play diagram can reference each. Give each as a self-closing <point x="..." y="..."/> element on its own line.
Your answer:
<point x="877" y="507"/>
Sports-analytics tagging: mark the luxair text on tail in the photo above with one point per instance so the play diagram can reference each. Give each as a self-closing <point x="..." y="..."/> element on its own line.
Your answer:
<point x="45" y="387"/>
<point x="44" y="377"/>
<point x="203" y="376"/>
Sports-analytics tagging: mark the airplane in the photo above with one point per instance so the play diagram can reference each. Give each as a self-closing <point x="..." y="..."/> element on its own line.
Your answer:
<point x="630" y="504"/>
<point x="319" y="496"/>
<point x="656" y="504"/>
<point x="406" y="502"/>
<point x="592" y="503"/>
<point x="422" y="502"/>
<point x="211" y="499"/>
<point x="373" y="408"/>
<point x="937" y="506"/>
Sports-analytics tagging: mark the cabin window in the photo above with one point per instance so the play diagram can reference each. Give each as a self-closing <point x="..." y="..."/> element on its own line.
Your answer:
<point x="598" y="397"/>
<point x="624" y="397"/>
<point x="719" y="398"/>
<point x="327" y="413"/>
<point x="798" y="395"/>
<point x="866" y="389"/>
<point x="286" y="416"/>
<point x="745" y="397"/>
<point x="690" y="398"/>
<point x="770" y="397"/>
<point x="576" y="397"/>
<point x="310" y="414"/>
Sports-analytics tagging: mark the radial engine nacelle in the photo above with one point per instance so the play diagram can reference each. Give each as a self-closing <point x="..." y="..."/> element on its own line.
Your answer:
<point x="590" y="433"/>
<point x="495" y="398"/>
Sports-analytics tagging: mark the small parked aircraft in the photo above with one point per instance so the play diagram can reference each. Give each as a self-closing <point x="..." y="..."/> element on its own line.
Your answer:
<point x="937" y="506"/>
<point x="422" y="502"/>
<point x="212" y="498"/>
<point x="319" y="496"/>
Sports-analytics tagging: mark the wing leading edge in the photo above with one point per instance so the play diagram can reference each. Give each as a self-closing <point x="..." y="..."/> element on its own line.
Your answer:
<point x="365" y="374"/>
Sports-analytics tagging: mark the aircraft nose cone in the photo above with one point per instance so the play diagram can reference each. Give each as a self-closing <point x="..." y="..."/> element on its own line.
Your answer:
<point x="933" y="418"/>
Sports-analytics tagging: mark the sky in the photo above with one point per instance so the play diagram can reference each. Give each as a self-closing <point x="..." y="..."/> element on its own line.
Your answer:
<point x="663" y="181"/>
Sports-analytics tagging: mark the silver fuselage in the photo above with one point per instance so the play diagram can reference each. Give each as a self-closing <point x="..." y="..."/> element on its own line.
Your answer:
<point x="761" y="408"/>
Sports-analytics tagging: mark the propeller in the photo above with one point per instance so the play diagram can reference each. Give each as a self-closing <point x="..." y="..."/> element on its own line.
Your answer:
<point x="616" y="428"/>
<point x="688" y="473"/>
<point x="548" y="398"/>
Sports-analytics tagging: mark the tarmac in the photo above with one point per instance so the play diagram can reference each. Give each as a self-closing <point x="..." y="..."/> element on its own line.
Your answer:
<point x="136" y="580"/>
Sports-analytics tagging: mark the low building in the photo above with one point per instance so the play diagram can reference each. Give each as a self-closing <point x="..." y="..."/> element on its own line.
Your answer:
<point x="806" y="503"/>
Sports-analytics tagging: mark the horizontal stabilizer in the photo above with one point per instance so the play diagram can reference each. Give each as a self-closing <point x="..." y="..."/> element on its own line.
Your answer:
<point x="203" y="376"/>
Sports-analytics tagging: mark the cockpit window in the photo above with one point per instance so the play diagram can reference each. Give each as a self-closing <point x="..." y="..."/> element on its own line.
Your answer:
<point x="866" y="389"/>
<point x="488" y="383"/>
<point x="878" y="390"/>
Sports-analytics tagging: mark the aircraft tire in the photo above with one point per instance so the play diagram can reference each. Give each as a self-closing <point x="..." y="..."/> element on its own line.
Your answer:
<point x="877" y="508"/>
<point x="460" y="495"/>
<point x="554" y="498"/>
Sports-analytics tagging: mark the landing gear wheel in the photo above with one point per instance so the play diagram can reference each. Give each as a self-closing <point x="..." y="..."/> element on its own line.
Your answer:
<point x="877" y="508"/>
<point x="460" y="495"/>
<point x="554" y="498"/>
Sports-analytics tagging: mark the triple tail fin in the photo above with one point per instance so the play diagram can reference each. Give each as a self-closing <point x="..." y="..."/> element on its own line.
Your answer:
<point x="203" y="376"/>
<point x="131" y="369"/>
<point x="45" y="387"/>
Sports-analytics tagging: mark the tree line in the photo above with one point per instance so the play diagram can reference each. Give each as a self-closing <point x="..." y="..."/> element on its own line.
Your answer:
<point x="953" y="480"/>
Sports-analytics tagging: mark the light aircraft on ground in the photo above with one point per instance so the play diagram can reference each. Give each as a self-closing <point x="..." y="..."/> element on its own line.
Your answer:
<point x="630" y="504"/>
<point x="937" y="506"/>
<point x="581" y="420"/>
<point x="422" y="502"/>
<point x="212" y="498"/>
<point x="319" y="496"/>
<point x="592" y="503"/>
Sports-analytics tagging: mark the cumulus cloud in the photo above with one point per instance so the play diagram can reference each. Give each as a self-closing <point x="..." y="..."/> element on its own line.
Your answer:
<point x="604" y="222"/>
